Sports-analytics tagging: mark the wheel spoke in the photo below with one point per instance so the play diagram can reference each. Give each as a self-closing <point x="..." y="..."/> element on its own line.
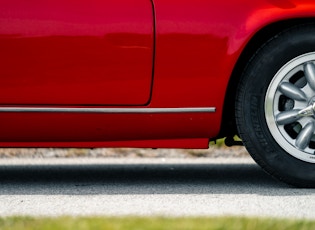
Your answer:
<point x="287" y="117"/>
<point x="305" y="136"/>
<point x="291" y="91"/>
<point x="309" y="71"/>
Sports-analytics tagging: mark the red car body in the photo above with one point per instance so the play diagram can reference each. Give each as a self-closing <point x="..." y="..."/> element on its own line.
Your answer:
<point x="142" y="73"/>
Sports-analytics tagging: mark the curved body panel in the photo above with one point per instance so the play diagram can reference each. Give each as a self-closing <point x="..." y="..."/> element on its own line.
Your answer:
<point x="196" y="47"/>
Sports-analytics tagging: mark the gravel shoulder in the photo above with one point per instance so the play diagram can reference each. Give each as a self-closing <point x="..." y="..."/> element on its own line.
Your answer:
<point x="212" y="152"/>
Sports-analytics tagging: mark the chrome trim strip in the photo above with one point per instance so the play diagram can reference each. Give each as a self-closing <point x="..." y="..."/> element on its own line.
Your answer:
<point x="105" y="110"/>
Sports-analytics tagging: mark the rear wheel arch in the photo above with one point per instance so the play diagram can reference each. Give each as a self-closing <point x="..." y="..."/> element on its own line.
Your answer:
<point x="228" y="124"/>
<point x="275" y="106"/>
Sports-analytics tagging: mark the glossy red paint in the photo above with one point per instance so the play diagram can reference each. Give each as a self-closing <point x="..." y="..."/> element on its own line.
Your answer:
<point x="197" y="44"/>
<point x="76" y="52"/>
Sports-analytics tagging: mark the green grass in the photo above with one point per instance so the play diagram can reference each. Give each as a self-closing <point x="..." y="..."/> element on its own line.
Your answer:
<point x="217" y="143"/>
<point x="220" y="142"/>
<point x="138" y="223"/>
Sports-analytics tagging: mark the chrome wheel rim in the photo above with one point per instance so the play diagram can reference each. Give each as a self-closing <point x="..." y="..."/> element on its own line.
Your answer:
<point x="290" y="107"/>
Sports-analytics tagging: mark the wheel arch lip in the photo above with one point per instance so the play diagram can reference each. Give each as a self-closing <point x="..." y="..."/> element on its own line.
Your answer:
<point x="262" y="18"/>
<point x="257" y="34"/>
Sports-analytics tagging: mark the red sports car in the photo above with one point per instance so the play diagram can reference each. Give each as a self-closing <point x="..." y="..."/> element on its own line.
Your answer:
<point x="162" y="73"/>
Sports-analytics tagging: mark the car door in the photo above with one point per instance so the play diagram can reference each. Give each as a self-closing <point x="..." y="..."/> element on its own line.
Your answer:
<point x="76" y="52"/>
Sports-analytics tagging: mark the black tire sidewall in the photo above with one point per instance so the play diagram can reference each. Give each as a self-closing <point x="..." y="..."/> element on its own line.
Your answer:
<point x="251" y="101"/>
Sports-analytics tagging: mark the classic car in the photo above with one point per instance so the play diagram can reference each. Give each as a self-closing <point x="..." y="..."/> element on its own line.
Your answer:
<point x="162" y="74"/>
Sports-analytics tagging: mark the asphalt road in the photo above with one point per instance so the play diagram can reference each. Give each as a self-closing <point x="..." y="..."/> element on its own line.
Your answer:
<point x="168" y="187"/>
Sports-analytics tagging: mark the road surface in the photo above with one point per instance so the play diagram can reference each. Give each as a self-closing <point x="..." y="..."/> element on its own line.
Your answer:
<point x="164" y="187"/>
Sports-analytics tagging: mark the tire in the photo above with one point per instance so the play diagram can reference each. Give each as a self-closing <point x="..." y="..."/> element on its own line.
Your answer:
<point x="275" y="106"/>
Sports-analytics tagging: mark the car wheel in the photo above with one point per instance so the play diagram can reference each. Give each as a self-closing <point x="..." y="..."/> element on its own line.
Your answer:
<point x="275" y="106"/>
